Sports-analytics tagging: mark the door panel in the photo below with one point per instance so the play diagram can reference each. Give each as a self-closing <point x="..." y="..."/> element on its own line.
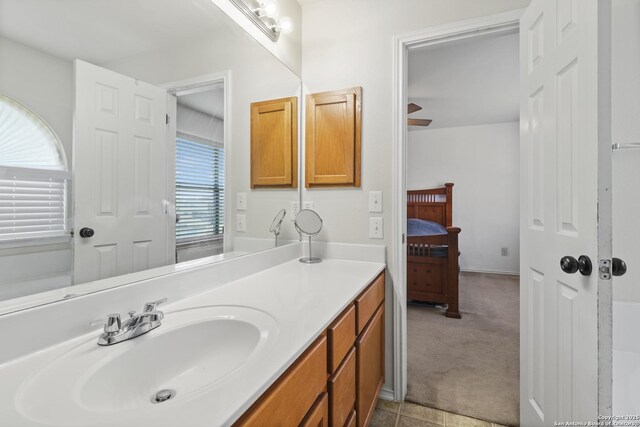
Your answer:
<point x="120" y="170"/>
<point x="564" y="174"/>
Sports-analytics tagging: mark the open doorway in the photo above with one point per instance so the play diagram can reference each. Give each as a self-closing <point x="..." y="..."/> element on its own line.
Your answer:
<point x="199" y="182"/>
<point x="463" y="227"/>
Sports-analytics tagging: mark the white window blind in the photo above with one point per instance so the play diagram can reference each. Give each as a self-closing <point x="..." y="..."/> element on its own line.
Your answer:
<point x="199" y="189"/>
<point x="32" y="204"/>
<point x="33" y="176"/>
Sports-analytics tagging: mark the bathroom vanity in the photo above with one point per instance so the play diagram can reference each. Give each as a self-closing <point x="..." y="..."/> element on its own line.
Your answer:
<point x="337" y="379"/>
<point x="258" y="340"/>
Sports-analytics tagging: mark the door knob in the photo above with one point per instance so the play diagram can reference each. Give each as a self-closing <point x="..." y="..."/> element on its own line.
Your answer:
<point x="570" y="265"/>
<point x="86" y="232"/>
<point x="618" y="267"/>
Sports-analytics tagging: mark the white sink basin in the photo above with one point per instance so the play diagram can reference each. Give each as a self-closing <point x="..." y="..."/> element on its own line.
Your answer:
<point x="193" y="352"/>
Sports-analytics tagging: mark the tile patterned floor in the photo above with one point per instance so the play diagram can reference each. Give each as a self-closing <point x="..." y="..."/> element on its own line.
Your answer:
<point x="405" y="414"/>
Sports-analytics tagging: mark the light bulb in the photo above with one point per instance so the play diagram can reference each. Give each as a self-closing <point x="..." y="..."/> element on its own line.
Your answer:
<point x="286" y="25"/>
<point x="269" y="9"/>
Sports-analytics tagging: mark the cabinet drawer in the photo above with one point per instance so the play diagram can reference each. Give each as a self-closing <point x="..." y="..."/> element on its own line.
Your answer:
<point x="368" y="301"/>
<point x="351" y="421"/>
<point x="342" y="335"/>
<point x="318" y="415"/>
<point x="342" y="390"/>
<point x="290" y="398"/>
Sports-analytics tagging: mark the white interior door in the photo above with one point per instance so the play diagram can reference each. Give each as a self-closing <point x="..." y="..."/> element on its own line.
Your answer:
<point x="565" y="211"/>
<point x="120" y="174"/>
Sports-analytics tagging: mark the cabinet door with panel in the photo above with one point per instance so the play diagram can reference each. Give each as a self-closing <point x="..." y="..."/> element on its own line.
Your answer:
<point x="342" y="390"/>
<point x="333" y="127"/>
<point x="369" y="367"/>
<point x="274" y="143"/>
<point x="289" y="399"/>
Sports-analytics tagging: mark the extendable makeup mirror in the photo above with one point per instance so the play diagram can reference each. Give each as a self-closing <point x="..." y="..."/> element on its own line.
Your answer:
<point x="276" y="224"/>
<point x="309" y="223"/>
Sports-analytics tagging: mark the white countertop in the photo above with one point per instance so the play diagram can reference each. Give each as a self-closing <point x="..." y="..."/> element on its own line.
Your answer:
<point x="302" y="298"/>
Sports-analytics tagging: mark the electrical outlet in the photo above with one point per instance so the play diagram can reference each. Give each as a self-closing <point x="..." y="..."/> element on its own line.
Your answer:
<point x="295" y="208"/>
<point x="375" y="201"/>
<point x="241" y="222"/>
<point x="376" y="229"/>
<point x="241" y="201"/>
<point x="504" y="251"/>
<point x="307" y="205"/>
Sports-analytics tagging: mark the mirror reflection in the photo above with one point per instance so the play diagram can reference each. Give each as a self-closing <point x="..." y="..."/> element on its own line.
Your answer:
<point x="129" y="136"/>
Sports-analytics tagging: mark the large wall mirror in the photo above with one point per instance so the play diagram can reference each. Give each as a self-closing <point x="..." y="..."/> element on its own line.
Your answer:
<point x="125" y="144"/>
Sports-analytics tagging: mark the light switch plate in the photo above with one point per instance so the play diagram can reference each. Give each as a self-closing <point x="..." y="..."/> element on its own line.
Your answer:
<point x="307" y="205"/>
<point x="241" y="201"/>
<point x="241" y="222"/>
<point x="376" y="228"/>
<point x="295" y="208"/>
<point x="375" y="201"/>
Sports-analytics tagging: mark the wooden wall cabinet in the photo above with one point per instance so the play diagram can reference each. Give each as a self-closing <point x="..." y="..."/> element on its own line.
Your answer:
<point x="274" y="143"/>
<point x="333" y="138"/>
<point x="336" y="381"/>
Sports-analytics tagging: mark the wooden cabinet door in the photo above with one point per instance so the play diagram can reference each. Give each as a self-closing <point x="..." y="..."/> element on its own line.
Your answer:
<point x="369" y="367"/>
<point x="318" y="415"/>
<point x="289" y="399"/>
<point x="342" y="390"/>
<point x="274" y="143"/>
<point x="333" y="122"/>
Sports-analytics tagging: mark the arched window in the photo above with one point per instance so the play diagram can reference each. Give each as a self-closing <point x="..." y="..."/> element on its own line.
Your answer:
<point x="33" y="176"/>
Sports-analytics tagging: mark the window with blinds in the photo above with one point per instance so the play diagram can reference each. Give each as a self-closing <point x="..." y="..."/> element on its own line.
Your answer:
<point x="32" y="206"/>
<point x="199" y="189"/>
<point x="33" y="176"/>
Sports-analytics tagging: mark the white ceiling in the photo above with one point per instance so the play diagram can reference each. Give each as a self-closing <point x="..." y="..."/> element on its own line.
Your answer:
<point x="466" y="83"/>
<point x="99" y="31"/>
<point x="210" y="102"/>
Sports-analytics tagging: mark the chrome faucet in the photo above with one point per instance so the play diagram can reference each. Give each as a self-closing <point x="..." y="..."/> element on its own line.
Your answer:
<point x="137" y="324"/>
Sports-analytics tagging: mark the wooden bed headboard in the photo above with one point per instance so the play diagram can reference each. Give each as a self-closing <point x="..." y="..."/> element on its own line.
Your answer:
<point x="433" y="204"/>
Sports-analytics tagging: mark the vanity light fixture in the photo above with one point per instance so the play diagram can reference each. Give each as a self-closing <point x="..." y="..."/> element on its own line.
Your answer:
<point x="264" y="14"/>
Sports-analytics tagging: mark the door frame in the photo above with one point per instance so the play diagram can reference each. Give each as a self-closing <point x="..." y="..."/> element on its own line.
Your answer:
<point x="402" y="44"/>
<point x="192" y="85"/>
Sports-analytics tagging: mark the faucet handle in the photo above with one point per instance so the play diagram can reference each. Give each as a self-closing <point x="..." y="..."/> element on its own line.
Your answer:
<point x="111" y="324"/>
<point x="152" y="306"/>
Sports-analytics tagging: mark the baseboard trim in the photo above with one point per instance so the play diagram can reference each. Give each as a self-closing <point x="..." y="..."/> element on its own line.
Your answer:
<point x="386" y="394"/>
<point x="480" y="270"/>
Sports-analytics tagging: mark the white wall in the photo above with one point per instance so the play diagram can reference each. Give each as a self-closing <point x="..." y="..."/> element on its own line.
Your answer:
<point x="626" y="128"/>
<point x="349" y="43"/>
<point x="256" y="75"/>
<point x="483" y="163"/>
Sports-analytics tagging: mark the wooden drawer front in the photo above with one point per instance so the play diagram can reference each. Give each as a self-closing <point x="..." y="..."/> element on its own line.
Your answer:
<point x="369" y="368"/>
<point x="342" y="335"/>
<point x="427" y="281"/>
<point x="342" y="390"/>
<point x="351" y="421"/>
<point x="318" y="416"/>
<point x="368" y="301"/>
<point x="290" y="398"/>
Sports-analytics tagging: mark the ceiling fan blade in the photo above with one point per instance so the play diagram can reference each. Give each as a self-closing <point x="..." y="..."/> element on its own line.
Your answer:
<point x="419" y="122"/>
<point x="412" y="108"/>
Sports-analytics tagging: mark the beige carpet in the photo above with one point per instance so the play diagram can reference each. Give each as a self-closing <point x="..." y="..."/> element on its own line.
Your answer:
<point x="469" y="366"/>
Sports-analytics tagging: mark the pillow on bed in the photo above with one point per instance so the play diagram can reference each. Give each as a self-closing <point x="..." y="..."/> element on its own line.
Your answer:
<point x="420" y="227"/>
